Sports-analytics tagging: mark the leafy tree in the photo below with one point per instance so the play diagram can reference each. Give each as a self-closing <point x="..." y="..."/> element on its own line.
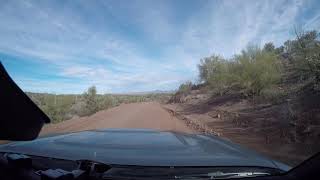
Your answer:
<point x="208" y="67"/>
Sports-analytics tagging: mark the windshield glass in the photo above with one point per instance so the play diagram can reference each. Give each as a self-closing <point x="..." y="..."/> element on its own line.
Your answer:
<point x="239" y="80"/>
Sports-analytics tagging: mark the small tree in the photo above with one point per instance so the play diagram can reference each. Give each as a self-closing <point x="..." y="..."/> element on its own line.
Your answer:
<point x="251" y="71"/>
<point x="208" y="67"/>
<point x="257" y="69"/>
<point x="306" y="54"/>
<point x="91" y="100"/>
<point x="269" y="47"/>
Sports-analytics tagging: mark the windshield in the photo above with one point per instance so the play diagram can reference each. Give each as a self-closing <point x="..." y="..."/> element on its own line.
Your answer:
<point x="239" y="80"/>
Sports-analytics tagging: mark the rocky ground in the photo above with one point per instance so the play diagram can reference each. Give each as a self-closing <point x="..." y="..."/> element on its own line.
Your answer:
<point x="271" y="129"/>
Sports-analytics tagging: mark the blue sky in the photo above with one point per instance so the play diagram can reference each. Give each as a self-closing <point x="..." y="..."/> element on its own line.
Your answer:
<point x="122" y="46"/>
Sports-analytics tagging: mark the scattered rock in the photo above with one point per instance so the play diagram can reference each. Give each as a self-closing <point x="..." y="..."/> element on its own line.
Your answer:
<point x="193" y="124"/>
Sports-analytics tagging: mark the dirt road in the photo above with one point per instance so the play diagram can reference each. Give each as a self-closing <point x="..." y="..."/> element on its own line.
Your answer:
<point x="135" y="115"/>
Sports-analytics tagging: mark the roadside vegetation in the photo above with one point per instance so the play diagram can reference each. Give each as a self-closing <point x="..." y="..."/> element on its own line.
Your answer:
<point x="66" y="106"/>
<point x="261" y="71"/>
<point x="252" y="71"/>
<point x="264" y="97"/>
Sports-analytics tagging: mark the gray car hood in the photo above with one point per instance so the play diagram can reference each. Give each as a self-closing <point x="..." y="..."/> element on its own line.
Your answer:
<point x="143" y="147"/>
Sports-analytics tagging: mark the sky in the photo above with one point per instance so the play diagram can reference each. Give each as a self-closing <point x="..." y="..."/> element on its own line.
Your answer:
<point x="65" y="46"/>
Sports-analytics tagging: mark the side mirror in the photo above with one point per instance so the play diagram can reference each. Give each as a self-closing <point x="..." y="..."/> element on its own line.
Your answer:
<point x="20" y="118"/>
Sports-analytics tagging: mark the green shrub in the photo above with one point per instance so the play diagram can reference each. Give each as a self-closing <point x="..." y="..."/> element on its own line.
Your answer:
<point x="91" y="101"/>
<point x="209" y="67"/>
<point x="256" y="70"/>
<point x="185" y="88"/>
<point x="305" y="52"/>
<point x="55" y="113"/>
<point x="273" y="94"/>
<point x="224" y="77"/>
<point x="251" y="71"/>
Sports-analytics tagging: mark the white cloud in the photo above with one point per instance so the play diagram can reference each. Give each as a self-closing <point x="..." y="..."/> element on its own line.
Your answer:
<point x="139" y="44"/>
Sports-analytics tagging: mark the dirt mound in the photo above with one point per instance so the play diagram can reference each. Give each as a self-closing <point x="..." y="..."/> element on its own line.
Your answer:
<point x="287" y="131"/>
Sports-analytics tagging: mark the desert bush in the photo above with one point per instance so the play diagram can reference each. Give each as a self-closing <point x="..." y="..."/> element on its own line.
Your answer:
<point x="107" y="101"/>
<point x="274" y="95"/>
<point x="305" y="52"/>
<point x="78" y="109"/>
<point x="224" y="77"/>
<point x="208" y="67"/>
<point x="55" y="113"/>
<point x="251" y="71"/>
<point x="90" y="99"/>
<point x="185" y="88"/>
<point x="182" y="92"/>
<point x="256" y="69"/>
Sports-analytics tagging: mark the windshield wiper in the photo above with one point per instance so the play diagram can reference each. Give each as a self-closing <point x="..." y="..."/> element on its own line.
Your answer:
<point x="222" y="175"/>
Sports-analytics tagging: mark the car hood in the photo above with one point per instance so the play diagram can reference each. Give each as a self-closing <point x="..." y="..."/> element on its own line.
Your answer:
<point x="144" y="148"/>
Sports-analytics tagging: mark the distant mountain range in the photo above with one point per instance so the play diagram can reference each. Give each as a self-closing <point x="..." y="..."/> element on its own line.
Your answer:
<point x="129" y="93"/>
<point x="146" y="92"/>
